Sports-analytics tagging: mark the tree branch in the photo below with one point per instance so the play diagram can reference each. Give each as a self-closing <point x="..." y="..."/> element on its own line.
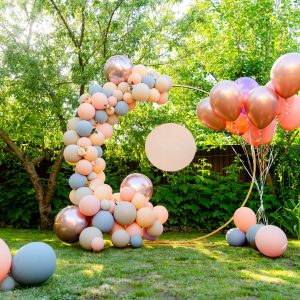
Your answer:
<point x="71" y="34"/>
<point x="82" y="24"/>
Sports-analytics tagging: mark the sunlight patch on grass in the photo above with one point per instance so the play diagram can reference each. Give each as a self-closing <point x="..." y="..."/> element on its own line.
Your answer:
<point x="261" y="277"/>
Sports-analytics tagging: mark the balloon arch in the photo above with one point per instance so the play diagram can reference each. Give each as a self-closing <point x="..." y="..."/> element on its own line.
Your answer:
<point x="243" y="108"/>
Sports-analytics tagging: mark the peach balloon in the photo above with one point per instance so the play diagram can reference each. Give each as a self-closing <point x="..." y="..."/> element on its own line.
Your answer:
<point x="99" y="100"/>
<point x="262" y="136"/>
<point x="134" y="79"/>
<point x="154" y="95"/>
<point x="112" y="101"/>
<point x="109" y="86"/>
<point x="113" y="119"/>
<point x="163" y="83"/>
<point x="84" y="142"/>
<point x="86" y="111"/>
<point x="132" y="105"/>
<point x="118" y="95"/>
<point x="97" y="138"/>
<point x="117" y="197"/>
<point x="139" y="201"/>
<point x="95" y="183"/>
<point x="91" y="153"/>
<point x="103" y="192"/>
<point x="239" y="126"/>
<point x="72" y="196"/>
<point x="101" y="176"/>
<point x="289" y="119"/>
<point x="106" y="129"/>
<point x="71" y="154"/>
<point x="116" y="227"/>
<point x="285" y="74"/>
<point x="227" y="100"/>
<point x="207" y="116"/>
<point x="134" y="229"/>
<point x="250" y="140"/>
<point x="140" y="69"/>
<point x="97" y="244"/>
<point x="271" y="241"/>
<point x="161" y="214"/>
<point x="5" y="260"/>
<point x="99" y="165"/>
<point x="70" y="137"/>
<point x="84" y="167"/>
<point x="89" y="205"/>
<point x="128" y="98"/>
<point x="149" y="204"/>
<point x="140" y="92"/>
<point x="112" y="207"/>
<point x="156" y="229"/>
<point x="110" y="110"/>
<point x="72" y="123"/>
<point x="145" y="217"/>
<point x="163" y="98"/>
<point x="127" y="193"/>
<point x="244" y="218"/>
<point x="123" y="87"/>
<point x="84" y="98"/>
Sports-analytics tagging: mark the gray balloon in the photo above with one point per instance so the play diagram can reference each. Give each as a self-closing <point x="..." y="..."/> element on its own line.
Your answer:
<point x="95" y="88"/>
<point x="84" y="128"/>
<point x="77" y="181"/>
<point x="100" y="150"/>
<point x="136" y="241"/>
<point x="235" y="237"/>
<point x="149" y="80"/>
<point x="34" y="263"/>
<point x="251" y="233"/>
<point x="103" y="220"/>
<point x="107" y="92"/>
<point x="121" y="108"/>
<point x="69" y="223"/>
<point x="101" y="116"/>
<point x="8" y="284"/>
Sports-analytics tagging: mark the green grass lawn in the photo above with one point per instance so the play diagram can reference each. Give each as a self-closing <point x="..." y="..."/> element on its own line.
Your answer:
<point x="209" y="269"/>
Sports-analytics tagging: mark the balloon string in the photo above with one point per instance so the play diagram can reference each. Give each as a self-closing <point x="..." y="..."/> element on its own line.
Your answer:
<point x="166" y="243"/>
<point x="190" y="88"/>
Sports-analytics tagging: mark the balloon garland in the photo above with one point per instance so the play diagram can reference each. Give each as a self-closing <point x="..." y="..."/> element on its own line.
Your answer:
<point x="128" y="215"/>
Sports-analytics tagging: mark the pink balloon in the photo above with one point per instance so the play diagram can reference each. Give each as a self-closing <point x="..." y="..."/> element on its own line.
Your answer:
<point x="127" y="193"/>
<point x="84" y="167"/>
<point x="99" y="101"/>
<point x="244" y="218"/>
<point x="86" y="111"/>
<point x="97" y="244"/>
<point x="289" y="119"/>
<point x="106" y="129"/>
<point x="161" y="213"/>
<point x="271" y="241"/>
<point x="5" y="260"/>
<point x="281" y="101"/>
<point x="262" y="136"/>
<point x="89" y="205"/>
<point x="149" y="204"/>
<point x="116" y="227"/>
<point x="134" y="229"/>
<point x="84" y="142"/>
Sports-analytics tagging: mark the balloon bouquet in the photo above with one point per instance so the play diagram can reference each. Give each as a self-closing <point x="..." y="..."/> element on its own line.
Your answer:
<point x="128" y="215"/>
<point x="251" y="112"/>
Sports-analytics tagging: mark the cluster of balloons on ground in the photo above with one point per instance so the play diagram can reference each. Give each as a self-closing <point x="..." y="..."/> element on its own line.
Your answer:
<point x="270" y="240"/>
<point x="32" y="264"/>
<point x="96" y="208"/>
<point x="244" y="108"/>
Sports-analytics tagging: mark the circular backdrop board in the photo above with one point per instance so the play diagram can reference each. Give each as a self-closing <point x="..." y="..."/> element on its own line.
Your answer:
<point x="170" y="147"/>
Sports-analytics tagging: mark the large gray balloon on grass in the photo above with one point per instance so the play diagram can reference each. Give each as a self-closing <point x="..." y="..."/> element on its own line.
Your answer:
<point x="251" y="233"/>
<point x="235" y="237"/>
<point x="8" y="284"/>
<point x="33" y="264"/>
<point x="84" y="128"/>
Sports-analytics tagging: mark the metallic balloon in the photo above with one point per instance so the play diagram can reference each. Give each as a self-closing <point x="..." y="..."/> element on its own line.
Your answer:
<point x="208" y="117"/>
<point x="261" y="105"/>
<point x="140" y="183"/>
<point x="285" y="74"/>
<point x="227" y="99"/>
<point x="118" y="68"/>
<point x="69" y="223"/>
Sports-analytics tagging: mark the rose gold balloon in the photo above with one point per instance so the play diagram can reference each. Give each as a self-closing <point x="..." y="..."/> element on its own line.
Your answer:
<point x="261" y="105"/>
<point x="289" y="119"/>
<point x="140" y="183"/>
<point x="118" y="68"/>
<point x="69" y="223"/>
<point x="208" y="117"/>
<point x="227" y="100"/>
<point x="285" y="74"/>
